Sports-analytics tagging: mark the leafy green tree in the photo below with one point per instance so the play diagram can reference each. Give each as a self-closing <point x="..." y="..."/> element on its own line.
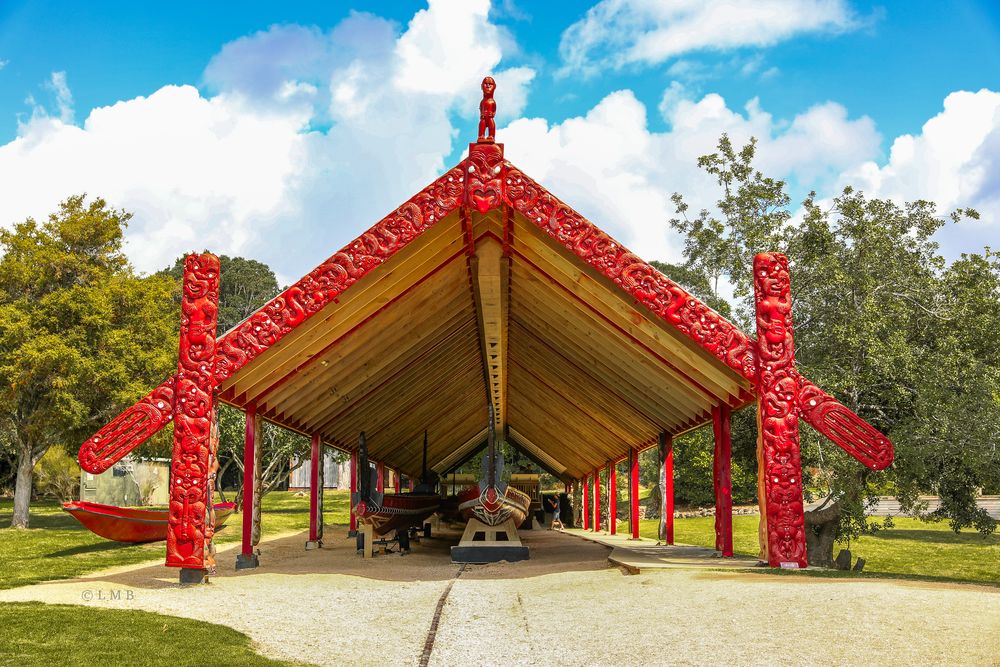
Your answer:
<point x="81" y="335"/>
<point x="883" y="323"/>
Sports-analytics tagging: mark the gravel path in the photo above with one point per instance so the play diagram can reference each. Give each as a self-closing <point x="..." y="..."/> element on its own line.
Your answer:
<point x="563" y="607"/>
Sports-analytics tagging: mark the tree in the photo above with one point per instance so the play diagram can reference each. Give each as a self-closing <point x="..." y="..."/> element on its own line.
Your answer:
<point x="81" y="336"/>
<point x="883" y="323"/>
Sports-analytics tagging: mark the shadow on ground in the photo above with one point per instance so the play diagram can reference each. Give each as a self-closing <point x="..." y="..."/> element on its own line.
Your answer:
<point x="428" y="560"/>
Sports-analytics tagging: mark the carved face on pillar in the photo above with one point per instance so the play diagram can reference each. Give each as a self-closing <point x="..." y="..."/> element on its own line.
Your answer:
<point x="484" y="177"/>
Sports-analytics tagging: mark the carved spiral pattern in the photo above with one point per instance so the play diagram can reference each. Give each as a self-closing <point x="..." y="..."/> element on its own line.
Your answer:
<point x="843" y="427"/>
<point x="648" y="286"/>
<point x="128" y="430"/>
<point x="188" y="524"/>
<point x="327" y="281"/>
<point x="777" y="386"/>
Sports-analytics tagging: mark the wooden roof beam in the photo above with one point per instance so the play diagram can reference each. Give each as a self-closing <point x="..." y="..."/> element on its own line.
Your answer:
<point x="490" y="271"/>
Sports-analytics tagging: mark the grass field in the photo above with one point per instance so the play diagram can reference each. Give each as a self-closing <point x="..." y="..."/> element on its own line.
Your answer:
<point x="44" y="635"/>
<point x="56" y="546"/>
<point x="912" y="548"/>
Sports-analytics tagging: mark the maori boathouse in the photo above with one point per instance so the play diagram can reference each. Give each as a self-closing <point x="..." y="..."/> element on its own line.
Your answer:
<point x="485" y="307"/>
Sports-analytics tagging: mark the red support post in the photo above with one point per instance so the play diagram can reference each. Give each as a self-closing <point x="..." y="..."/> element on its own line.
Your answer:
<point x="380" y="477"/>
<point x="315" y="490"/>
<point x="353" y="528"/>
<point x="597" y="500"/>
<point x="190" y="521"/>
<point x="668" y="490"/>
<point x="247" y="558"/>
<point x="586" y="505"/>
<point x="779" y="464"/>
<point x="612" y="498"/>
<point x="410" y="480"/>
<point x="722" y="479"/>
<point x="633" y="493"/>
<point x="397" y="481"/>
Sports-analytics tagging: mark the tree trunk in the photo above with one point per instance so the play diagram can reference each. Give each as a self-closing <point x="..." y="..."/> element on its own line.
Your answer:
<point x="821" y="532"/>
<point x="22" y="488"/>
<point x="653" y="502"/>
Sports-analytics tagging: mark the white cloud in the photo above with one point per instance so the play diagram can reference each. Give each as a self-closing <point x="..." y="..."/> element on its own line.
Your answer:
<point x="649" y="32"/>
<point x="306" y="139"/>
<point x="954" y="161"/>
<point x="613" y="169"/>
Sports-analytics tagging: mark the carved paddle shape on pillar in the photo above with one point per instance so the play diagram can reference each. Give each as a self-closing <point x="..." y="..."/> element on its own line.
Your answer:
<point x="779" y="463"/>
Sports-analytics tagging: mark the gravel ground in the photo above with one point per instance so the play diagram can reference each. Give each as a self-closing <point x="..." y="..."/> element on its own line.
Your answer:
<point x="563" y="607"/>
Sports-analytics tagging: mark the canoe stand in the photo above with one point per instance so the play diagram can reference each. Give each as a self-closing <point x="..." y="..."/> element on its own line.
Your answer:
<point x="489" y="544"/>
<point x="368" y="546"/>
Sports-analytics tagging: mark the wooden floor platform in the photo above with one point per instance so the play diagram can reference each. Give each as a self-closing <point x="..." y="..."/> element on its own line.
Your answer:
<point x="645" y="554"/>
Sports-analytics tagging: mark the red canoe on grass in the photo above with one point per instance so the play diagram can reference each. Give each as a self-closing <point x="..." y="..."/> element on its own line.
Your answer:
<point x="125" y="524"/>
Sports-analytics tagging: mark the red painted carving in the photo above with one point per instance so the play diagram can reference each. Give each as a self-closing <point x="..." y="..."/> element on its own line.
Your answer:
<point x="484" y="176"/>
<point x="778" y="439"/>
<point x="487" y="112"/>
<point x="282" y="314"/>
<point x="329" y="280"/>
<point x="189" y="523"/>
<point x="648" y="286"/>
<point x="844" y="428"/>
<point x="128" y="430"/>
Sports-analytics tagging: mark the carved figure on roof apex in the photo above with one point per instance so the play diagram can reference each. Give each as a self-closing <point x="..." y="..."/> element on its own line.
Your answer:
<point x="487" y="111"/>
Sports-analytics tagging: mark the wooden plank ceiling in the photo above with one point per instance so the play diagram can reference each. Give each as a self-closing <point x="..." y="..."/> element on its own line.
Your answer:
<point x="577" y="374"/>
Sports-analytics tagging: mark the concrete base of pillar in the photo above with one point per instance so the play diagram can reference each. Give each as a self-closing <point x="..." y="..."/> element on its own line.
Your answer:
<point x="247" y="561"/>
<point x="314" y="544"/>
<point x="193" y="575"/>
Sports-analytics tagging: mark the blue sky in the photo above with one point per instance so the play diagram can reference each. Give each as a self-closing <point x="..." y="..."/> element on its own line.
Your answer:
<point x="234" y="127"/>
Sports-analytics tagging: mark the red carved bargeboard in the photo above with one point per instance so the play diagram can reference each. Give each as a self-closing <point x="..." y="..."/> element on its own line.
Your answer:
<point x="778" y="438"/>
<point x="648" y="286"/>
<point x="283" y="313"/>
<point x="190" y="503"/>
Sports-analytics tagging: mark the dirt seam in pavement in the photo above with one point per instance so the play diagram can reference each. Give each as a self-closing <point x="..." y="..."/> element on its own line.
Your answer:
<point x="432" y="633"/>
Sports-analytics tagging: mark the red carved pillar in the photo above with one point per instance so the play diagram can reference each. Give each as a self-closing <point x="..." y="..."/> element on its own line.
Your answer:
<point x="315" y="494"/>
<point x="585" y="503"/>
<point x="251" y="442"/>
<point x="633" y="493"/>
<point x="779" y="464"/>
<point x="612" y="498"/>
<point x="597" y="500"/>
<point x="189" y="520"/>
<point x="353" y="528"/>
<point x="668" y="488"/>
<point x="380" y="477"/>
<point x="722" y="479"/>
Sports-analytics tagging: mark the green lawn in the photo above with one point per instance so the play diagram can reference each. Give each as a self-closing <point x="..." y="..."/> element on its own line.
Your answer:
<point x="43" y="635"/>
<point x="912" y="548"/>
<point x="56" y="546"/>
